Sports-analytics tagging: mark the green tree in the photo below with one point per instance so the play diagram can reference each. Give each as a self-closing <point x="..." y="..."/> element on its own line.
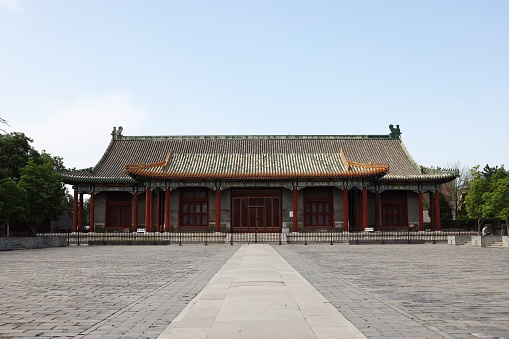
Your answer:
<point x="494" y="173"/>
<point x="44" y="189"/>
<point x="446" y="212"/>
<point x="31" y="179"/>
<point x="13" y="202"/>
<point x="474" y="200"/>
<point x="15" y="150"/>
<point x="497" y="200"/>
<point x="488" y="194"/>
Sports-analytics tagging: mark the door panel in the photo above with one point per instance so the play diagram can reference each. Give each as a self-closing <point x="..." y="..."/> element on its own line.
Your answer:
<point x="256" y="211"/>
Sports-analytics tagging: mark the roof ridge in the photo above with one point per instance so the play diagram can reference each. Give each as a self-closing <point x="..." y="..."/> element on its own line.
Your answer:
<point x="252" y="137"/>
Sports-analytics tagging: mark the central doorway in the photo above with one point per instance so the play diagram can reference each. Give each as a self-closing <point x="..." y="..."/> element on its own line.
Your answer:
<point x="256" y="211"/>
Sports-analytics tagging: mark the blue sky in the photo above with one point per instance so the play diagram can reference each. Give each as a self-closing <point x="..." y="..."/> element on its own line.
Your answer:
<point x="71" y="70"/>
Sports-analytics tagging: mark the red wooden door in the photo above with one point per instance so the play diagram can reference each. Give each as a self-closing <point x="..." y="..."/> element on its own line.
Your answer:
<point x="256" y="211"/>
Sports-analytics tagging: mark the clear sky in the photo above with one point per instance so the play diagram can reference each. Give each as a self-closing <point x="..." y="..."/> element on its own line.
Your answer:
<point x="71" y="70"/>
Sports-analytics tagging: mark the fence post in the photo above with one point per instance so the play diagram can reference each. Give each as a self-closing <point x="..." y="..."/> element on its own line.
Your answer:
<point x="231" y="235"/>
<point x="331" y="236"/>
<point x="180" y="236"/>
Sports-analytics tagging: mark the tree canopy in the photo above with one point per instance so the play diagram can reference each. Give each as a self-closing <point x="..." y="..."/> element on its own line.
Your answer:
<point x="497" y="198"/>
<point x="46" y="194"/>
<point x="13" y="201"/>
<point x="15" y="150"/>
<point x="488" y="195"/>
<point x="31" y="189"/>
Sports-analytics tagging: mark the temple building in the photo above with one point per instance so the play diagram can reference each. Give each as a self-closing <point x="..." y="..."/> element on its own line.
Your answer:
<point x="257" y="183"/>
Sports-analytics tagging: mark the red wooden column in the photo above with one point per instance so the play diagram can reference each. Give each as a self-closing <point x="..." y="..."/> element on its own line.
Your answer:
<point x="147" y="208"/>
<point x="158" y="212"/>
<point x="80" y="213"/>
<point x="432" y="210"/>
<point x="345" y="209"/>
<point x="75" y="211"/>
<point x="135" y="214"/>
<point x="437" y="209"/>
<point x="218" y="208"/>
<point x="364" y="217"/>
<point x="92" y="207"/>
<point x="377" y="208"/>
<point x="421" y="212"/>
<point x="167" y="209"/>
<point x="151" y="211"/>
<point x="295" y="210"/>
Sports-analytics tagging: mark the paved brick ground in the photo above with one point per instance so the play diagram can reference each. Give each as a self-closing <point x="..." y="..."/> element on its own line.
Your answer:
<point x="411" y="291"/>
<point x="387" y="291"/>
<point x="102" y="291"/>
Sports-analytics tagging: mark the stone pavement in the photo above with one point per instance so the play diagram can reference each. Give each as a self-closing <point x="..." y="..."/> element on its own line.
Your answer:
<point x="411" y="291"/>
<point x="385" y="291"/>
<point x="102" y="291"/>
<point x="257" y="294"/>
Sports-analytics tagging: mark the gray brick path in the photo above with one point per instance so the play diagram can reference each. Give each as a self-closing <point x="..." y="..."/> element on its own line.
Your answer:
<point x="387" y="291"/>
<point x="102" y="292"/>
<point x="411" y="291"/>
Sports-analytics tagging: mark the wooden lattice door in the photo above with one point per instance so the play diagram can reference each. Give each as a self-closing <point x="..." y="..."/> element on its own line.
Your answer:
<point x="256" y="211"/>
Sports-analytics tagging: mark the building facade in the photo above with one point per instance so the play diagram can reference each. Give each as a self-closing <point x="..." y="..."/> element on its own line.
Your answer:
<point x="256" y="184"/>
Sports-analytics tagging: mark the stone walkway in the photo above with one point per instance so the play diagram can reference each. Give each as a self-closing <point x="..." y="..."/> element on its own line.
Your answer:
<point x="257" y="294"/>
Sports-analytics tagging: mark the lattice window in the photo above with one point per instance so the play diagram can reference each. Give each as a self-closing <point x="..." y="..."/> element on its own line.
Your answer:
<point x="194" y="207"/>
<point x="318" y="207"/>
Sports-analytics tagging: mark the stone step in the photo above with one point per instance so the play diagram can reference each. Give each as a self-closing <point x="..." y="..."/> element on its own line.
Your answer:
<point x="497" y="244"/>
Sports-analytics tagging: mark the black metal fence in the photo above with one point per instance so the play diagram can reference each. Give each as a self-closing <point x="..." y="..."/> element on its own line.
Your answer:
<point x="380" y="237"/>
<point x="304" y="236"/>
<point x="134" y="238"/>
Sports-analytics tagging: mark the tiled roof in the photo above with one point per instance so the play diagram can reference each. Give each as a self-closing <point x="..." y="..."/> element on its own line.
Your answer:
<point x="255" y="157"/>
<point x="254" y="166"/>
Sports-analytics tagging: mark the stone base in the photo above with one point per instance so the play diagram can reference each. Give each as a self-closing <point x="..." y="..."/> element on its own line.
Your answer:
<point x="485" y="240"/>
<point x="28" y="242"/>
<point x="386" y="242"/>
<point x="127" y="243"/>
<point x="6" y="244"/>
<point x="458" y="239"/>
<point x="55" y="241"/>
